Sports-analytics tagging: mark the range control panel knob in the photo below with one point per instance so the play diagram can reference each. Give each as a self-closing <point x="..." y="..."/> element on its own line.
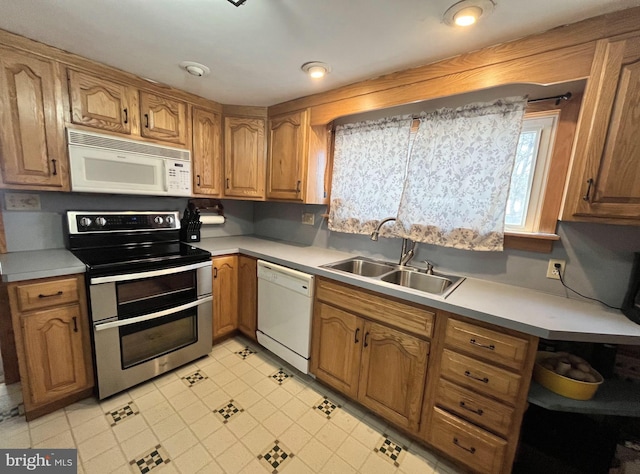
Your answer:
<point x="85" y="222"/>
<point x="101" y="221"/>
<point x="158" y="220"/>
<point x="169" y="220"/>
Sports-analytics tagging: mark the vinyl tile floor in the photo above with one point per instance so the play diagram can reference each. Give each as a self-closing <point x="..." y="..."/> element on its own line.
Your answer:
<point x="238" y="410"/>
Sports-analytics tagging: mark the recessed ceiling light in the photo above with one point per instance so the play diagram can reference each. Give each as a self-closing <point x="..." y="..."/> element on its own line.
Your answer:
<point x="195" y="69"/>
<point x="467" y="12"/>
<point x="316" y="69"/>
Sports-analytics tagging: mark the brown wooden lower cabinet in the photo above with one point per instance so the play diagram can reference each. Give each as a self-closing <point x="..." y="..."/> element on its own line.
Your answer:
<point x="247" y="296"/>
<point x="225" y="295"/>
<point x="462" y="392"/>
<point x="51" y="328"/>
<point x="381" y="367"/>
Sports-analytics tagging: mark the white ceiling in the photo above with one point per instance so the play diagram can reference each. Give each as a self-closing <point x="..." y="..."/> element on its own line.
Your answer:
<point x="255" y="51"/>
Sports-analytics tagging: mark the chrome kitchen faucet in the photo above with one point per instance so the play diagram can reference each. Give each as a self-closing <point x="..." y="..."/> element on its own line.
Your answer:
<point x="408" y="246"/>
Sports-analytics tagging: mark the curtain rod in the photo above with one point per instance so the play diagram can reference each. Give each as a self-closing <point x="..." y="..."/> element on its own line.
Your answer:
<point x="557" y="98"/>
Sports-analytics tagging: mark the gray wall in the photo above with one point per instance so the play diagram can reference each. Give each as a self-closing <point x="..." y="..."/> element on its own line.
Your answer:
<point x="43" y="229"/>
<point x="599" y="257"/>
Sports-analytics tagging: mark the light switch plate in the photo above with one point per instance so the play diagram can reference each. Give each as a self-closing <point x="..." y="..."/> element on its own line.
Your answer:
<point x="22" y="202"/>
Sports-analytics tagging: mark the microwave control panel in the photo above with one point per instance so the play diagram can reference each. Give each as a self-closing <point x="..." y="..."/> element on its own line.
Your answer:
<point x="178" y="178"/>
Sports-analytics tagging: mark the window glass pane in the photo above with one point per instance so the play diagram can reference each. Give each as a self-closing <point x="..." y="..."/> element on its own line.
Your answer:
<point x="521" y="179"/>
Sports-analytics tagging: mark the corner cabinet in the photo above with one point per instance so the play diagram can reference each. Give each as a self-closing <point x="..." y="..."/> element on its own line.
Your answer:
<point x="297" y="159"/>
<point x="604" y="183"/>
<point x="244" y="157"/>
<point x="32" y="147"/>
<point x="372" y="349"/>
<point x="51" y="330"/>
<point x="225" y="295"/>
<point x="207" y="152"/>
<point x="248" y="296"/>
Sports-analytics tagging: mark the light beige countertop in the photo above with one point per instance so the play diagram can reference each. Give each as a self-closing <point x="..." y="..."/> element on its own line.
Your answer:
<point x="521" y="309"/>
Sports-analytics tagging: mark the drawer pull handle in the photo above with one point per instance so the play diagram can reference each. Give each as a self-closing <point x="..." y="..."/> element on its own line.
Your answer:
<point x="477" y="411"/>
<point x="355" y="337"/>
<point x="491" y="347"/>
<point x="471" y="376"/>
<point x="51" y="295"/>
<point x="471" y="450"/>
<point x="75" y="324"/>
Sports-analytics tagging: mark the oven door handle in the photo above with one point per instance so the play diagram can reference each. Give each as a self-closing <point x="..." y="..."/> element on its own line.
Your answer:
<point x="153" y="273"/>
<point x="147" y="317"/>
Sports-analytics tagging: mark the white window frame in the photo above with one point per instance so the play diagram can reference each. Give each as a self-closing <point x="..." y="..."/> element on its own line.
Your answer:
<point x="546" y="124"/>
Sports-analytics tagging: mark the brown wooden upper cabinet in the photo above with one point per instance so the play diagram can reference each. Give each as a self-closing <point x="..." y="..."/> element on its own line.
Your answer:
<point x="287" y="158"/>
<point x="163" y="118"/>
<point x="98" y="103"/>
<point x="297" y="159"/>
<point x="244" y="158"/>
<point x="605" y="179"/>
<point x="116" y="107"/>
<point x="207" y="152"/>
<point x="32" y="150"/>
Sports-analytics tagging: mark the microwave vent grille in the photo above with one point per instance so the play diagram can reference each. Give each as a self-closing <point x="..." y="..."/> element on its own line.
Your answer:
<point x="95" y="140"/>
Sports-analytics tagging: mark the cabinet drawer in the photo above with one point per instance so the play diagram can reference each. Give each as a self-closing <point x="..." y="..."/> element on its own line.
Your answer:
<point x="473" y="407"/>
<point x="418" y="320"/>
<point x="468" y="444"/>
<point x="46" y="293"/>
<point x="502" y="348"/>
<point x="480" y="376"/>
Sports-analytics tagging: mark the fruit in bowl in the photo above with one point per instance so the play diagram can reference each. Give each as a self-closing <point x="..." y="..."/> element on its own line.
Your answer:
<point x="567" y="375"/>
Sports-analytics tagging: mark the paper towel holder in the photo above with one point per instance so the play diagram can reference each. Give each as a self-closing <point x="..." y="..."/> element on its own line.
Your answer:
<point x="208" y="205"/>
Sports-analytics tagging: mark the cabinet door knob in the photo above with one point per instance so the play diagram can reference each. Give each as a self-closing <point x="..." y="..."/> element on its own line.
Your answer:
<point x="215" y="272"/>
<point x="146" y="120"/>
<point x="198" y="180"/>
<point x="366" y="343"/>
<point x="75" y="324"/>
<point x="355" y="337"/>
<point x="298" y="186"/>
<point x="227" y="183"/>
<point x="126" y="115"/>
<point x="586" y="196"/>
<point x="55" y="170"/>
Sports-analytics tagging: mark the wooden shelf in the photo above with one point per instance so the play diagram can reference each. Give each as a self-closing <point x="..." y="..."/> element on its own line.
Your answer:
<point x="614" y="397"/>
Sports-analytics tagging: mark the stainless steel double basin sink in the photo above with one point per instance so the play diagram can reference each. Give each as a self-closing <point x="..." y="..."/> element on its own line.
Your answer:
<point x="405" y="276"/>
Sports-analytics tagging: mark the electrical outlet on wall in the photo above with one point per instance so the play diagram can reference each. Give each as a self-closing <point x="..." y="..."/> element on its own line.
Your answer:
<point x="552" y="271"/>
<point x="308" y="218"/>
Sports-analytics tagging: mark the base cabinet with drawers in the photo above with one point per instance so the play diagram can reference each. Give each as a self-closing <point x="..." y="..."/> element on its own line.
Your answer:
<point x="477" y="392"/>
<point x="51" y="329"/>
<point x="361" y="346"/>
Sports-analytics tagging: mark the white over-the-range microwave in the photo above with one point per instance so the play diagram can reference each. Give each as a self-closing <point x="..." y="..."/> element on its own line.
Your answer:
<point x="106" y="164"/>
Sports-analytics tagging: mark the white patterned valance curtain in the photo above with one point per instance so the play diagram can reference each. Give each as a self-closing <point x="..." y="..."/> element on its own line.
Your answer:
<point x="369" y="166"/>
<point x="458" y="175"/>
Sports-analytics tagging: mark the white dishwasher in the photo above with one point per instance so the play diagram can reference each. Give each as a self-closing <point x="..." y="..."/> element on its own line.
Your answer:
<point x="285" y="300"/>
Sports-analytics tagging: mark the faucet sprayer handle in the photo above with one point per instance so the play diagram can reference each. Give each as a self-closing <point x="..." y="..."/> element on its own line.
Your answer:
<point x="429" y="270"/>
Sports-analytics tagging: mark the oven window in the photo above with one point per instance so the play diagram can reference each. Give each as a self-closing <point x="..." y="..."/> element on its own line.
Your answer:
<point x="154" y="294"/>
<point x="150" y="339"/>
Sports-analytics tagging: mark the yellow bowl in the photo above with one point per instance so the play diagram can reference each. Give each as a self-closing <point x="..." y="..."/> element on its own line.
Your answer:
<point x="565" y="386"/>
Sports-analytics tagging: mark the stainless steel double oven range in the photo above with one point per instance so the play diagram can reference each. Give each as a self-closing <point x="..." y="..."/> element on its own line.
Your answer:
<point x="149" y="295"/>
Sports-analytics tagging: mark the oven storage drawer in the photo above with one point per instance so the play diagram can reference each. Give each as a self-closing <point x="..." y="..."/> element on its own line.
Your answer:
<point x="471" y="445"/>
